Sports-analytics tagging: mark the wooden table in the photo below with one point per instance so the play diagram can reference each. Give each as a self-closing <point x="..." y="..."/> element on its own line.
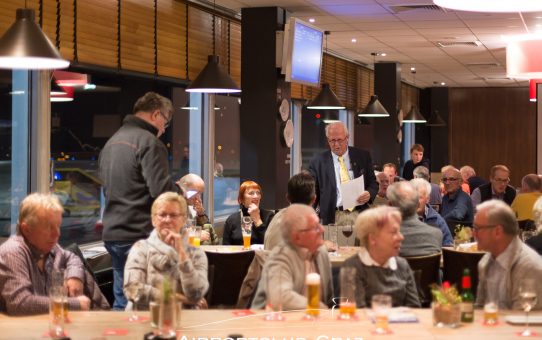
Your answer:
<point x="205" y="324"/>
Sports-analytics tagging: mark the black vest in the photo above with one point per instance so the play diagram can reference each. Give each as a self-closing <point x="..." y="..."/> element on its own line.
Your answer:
<point x="486" y="194"/>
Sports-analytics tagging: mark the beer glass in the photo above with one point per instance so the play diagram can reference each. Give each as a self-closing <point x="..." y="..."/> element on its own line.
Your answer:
<point x="381" y="306"/>
<point x="491" y="314"/>
<point x="312" y="282"/>
<point x="197" y="237"/>
<point x="246" y="230"/>
<point x="347" y="304"/>
<point x="57" y="282"/>
<point x="56" y="312"/>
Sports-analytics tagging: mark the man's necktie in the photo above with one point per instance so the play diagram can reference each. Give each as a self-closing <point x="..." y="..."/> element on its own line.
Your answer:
<point x="343" y="171"/>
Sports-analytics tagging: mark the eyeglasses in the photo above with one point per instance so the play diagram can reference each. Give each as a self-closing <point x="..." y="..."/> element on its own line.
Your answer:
<point x="449" y="179"/>
<point x="307" y="230"/>
<point x="477" y="228"/>
<point x="164" y="216"/>
<point x="337" y="141"/>
<point x="502" y="180"/>
<point x="168" y="120"/>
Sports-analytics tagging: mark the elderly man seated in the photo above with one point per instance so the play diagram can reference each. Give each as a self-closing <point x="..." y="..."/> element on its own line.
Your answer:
<point x="508" y="260"/>
<point x="301" y="252"/>
<point x="28" y="259"/>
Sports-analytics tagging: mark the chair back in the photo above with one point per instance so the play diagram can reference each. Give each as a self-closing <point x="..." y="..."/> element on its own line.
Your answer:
<point x="426" y="268"/>
<point x="456" y="261"/>
<point x="252" y="279"/>
<point x="226" y="274"/>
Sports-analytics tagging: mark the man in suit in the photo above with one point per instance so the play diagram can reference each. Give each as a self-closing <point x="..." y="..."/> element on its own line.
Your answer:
<point x="342" y="163"/>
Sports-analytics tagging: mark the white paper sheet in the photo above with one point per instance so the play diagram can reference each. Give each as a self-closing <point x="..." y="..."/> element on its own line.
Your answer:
<point x="351" y="190"/>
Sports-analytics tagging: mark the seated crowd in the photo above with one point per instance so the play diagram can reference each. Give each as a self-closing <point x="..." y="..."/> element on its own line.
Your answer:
<point x="405" y="219"/>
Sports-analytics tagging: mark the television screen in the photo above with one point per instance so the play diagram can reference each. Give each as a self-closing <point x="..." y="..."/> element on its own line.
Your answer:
<point x="302" y="58"/>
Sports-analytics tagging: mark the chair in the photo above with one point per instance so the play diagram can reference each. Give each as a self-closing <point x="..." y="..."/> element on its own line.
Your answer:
<point x="456" y="261"/>
<point x="251" y="280"/>
<point x="226" y="274"/>
<point x="427" y="269"/>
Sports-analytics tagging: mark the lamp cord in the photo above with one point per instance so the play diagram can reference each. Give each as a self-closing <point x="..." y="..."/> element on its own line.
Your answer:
<point x="326" y="33"/>
<point x="214" y="10"/>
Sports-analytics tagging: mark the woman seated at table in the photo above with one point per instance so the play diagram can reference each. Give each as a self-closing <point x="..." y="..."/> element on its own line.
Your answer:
<point x="166" y="252"/>
<point x="250" y="195"/>
<point x="379" y="269"/>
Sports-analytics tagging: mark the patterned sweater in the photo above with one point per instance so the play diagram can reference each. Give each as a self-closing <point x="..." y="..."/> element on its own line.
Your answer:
<point x="150" y="259"/>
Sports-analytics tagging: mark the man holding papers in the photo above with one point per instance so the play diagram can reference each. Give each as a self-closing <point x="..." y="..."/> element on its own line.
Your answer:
<point x="345" y="181"/>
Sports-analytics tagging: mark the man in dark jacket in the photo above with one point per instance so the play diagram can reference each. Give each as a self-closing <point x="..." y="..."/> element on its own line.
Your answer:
<point x="498" y="187"/>
<point x="133" y="166"/>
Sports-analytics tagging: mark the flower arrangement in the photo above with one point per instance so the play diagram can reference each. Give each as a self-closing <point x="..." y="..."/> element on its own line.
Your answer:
<point x="463" y="234"/>
<point x="446" y="305"/>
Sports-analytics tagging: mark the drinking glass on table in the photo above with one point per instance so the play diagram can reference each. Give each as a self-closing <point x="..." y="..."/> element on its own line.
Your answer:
<point x="312" y="282"/>
<point x="197" y="237"/>
<point x="333" y="236"/>
<point x="347" y="230"/>
<point x="491" y="314"/>
<point x="347" y="304"/>
<point x="246" y="230"/>
<point x="381" y="306"/>
<point x="528" y="298"/>
<point x="133" y="291"/>
<point x="57" y="302"/>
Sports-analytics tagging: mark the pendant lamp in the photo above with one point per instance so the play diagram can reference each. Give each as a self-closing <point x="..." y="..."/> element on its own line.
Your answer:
<point x="56" y="90"/>
<point x="213" y="79"/>
<point x="326" y="99"/>
<point x="374" y="108"/>
<point x="25" y="46"/>
<point x="414" y="115"/>
<point x="435" y="120"/>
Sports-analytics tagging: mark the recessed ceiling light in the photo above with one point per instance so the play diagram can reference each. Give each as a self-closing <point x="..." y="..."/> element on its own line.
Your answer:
<point x="354" y="40"/>
<point x="442" y="83"/>
<point x="312" y="20"/>
<point x="383" y="54"/>
<point x="412" y="68"/>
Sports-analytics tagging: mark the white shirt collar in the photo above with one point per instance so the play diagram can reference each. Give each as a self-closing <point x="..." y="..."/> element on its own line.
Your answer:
<point x="367" y="260"/>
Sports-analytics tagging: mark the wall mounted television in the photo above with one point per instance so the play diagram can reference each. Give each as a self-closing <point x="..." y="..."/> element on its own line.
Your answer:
<point x="302" y="52"/>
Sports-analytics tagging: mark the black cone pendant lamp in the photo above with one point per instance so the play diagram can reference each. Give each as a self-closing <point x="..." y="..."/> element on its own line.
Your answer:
<point x="25" y="46"/>
<point x="213" y="79"/>
<point x="435" y="120"/>
<point x="374" y="109"/>
<point x="326" y="99"/>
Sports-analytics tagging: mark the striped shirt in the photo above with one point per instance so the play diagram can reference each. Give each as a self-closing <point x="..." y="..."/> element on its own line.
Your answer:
<point x="24" y="287"/>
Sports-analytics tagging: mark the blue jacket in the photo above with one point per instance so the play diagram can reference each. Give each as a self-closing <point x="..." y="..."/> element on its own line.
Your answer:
<point x="433" y="218"/>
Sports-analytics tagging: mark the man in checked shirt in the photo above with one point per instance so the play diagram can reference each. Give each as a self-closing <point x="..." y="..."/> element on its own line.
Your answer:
<point x="28" y="259"/>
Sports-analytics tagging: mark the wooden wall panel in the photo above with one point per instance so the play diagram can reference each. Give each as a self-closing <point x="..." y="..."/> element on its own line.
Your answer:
<point x="235" y="52"/>
<point x="97" y="38"/>
<point x="199" y="40"/>
<point x="489" y="126"/>
<point x="172" y="39"/>
<point x="137" y="35"/>
<point x="67" y="16"/>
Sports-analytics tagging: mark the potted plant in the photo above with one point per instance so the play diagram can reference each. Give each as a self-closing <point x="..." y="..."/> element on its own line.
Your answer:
<point x="446" y="305"/>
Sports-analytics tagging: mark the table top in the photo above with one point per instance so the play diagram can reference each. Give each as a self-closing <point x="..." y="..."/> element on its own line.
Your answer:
<point x="205" y="324"/>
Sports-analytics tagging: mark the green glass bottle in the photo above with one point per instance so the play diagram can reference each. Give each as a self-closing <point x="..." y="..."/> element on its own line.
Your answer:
<point x="467" y="298"/>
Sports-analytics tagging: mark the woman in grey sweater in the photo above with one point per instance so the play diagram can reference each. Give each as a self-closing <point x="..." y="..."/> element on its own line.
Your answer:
<point x="379" y="269"/>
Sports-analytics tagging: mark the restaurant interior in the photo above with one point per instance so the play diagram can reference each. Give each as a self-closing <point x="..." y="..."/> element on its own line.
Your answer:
<point x="452" y="70"/>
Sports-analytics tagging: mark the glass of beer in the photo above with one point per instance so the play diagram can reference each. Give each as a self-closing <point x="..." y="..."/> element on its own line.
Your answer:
<point x="347" y="306"/>
<point x="57" y="297"/>
<point x="312" y="281"/>
<point x="197" y="237"/>
<point x="381" y="306"/>
<point x="491" y="314"/>
<point x="247" y="234"/>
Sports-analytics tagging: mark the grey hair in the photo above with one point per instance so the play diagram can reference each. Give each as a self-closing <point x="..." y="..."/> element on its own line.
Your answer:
<point x="328" y="126"/>
<point x="500" y="213"/>
<point x="371" y="220"/>
<point x="421" y="172"/>
<point x="152" y="101"/>
<point x="467" y="170"/>
<point x="294" y="218"/>
<point x="403" y="196"/>
<point x="420" y="182"/>
<point x="34" y="205"/>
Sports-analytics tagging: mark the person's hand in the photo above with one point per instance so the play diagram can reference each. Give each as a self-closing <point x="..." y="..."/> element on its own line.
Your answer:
<point x="84" y="302"/>
<point x="201" y="304"/>
<point x="205" y="236"/>
<point x="198" y="207"/>
<point x="254" y="212"/>
<point x="175" y="240"/>
<point x="364" y="197"/>
<point x="75" y="287"/>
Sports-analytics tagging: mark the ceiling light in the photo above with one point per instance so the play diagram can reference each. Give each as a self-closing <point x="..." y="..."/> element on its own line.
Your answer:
<point x="56" y="90"/>
<point x="311" y="20"/>
<point x="435" y="120"/>
<point x="374" y="109"/>
<point x="442" y="83"/>
<point x="66" y="97"/>
<point x="497" y="6"/>
<point x="354" y="40"/>
<point x="89" y="87"/>
<point x="25" y="46"/>
<point x="523" y="58"/>
<point x="326" y="99"/>
<point x="414" y="116"/>
<point x="213" y="79"/>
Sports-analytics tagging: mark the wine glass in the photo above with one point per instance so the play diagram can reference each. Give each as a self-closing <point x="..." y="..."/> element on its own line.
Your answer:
<point x="347" y="232"/>
<point x="527" y="294"/>
<point x="133" y="291"/>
